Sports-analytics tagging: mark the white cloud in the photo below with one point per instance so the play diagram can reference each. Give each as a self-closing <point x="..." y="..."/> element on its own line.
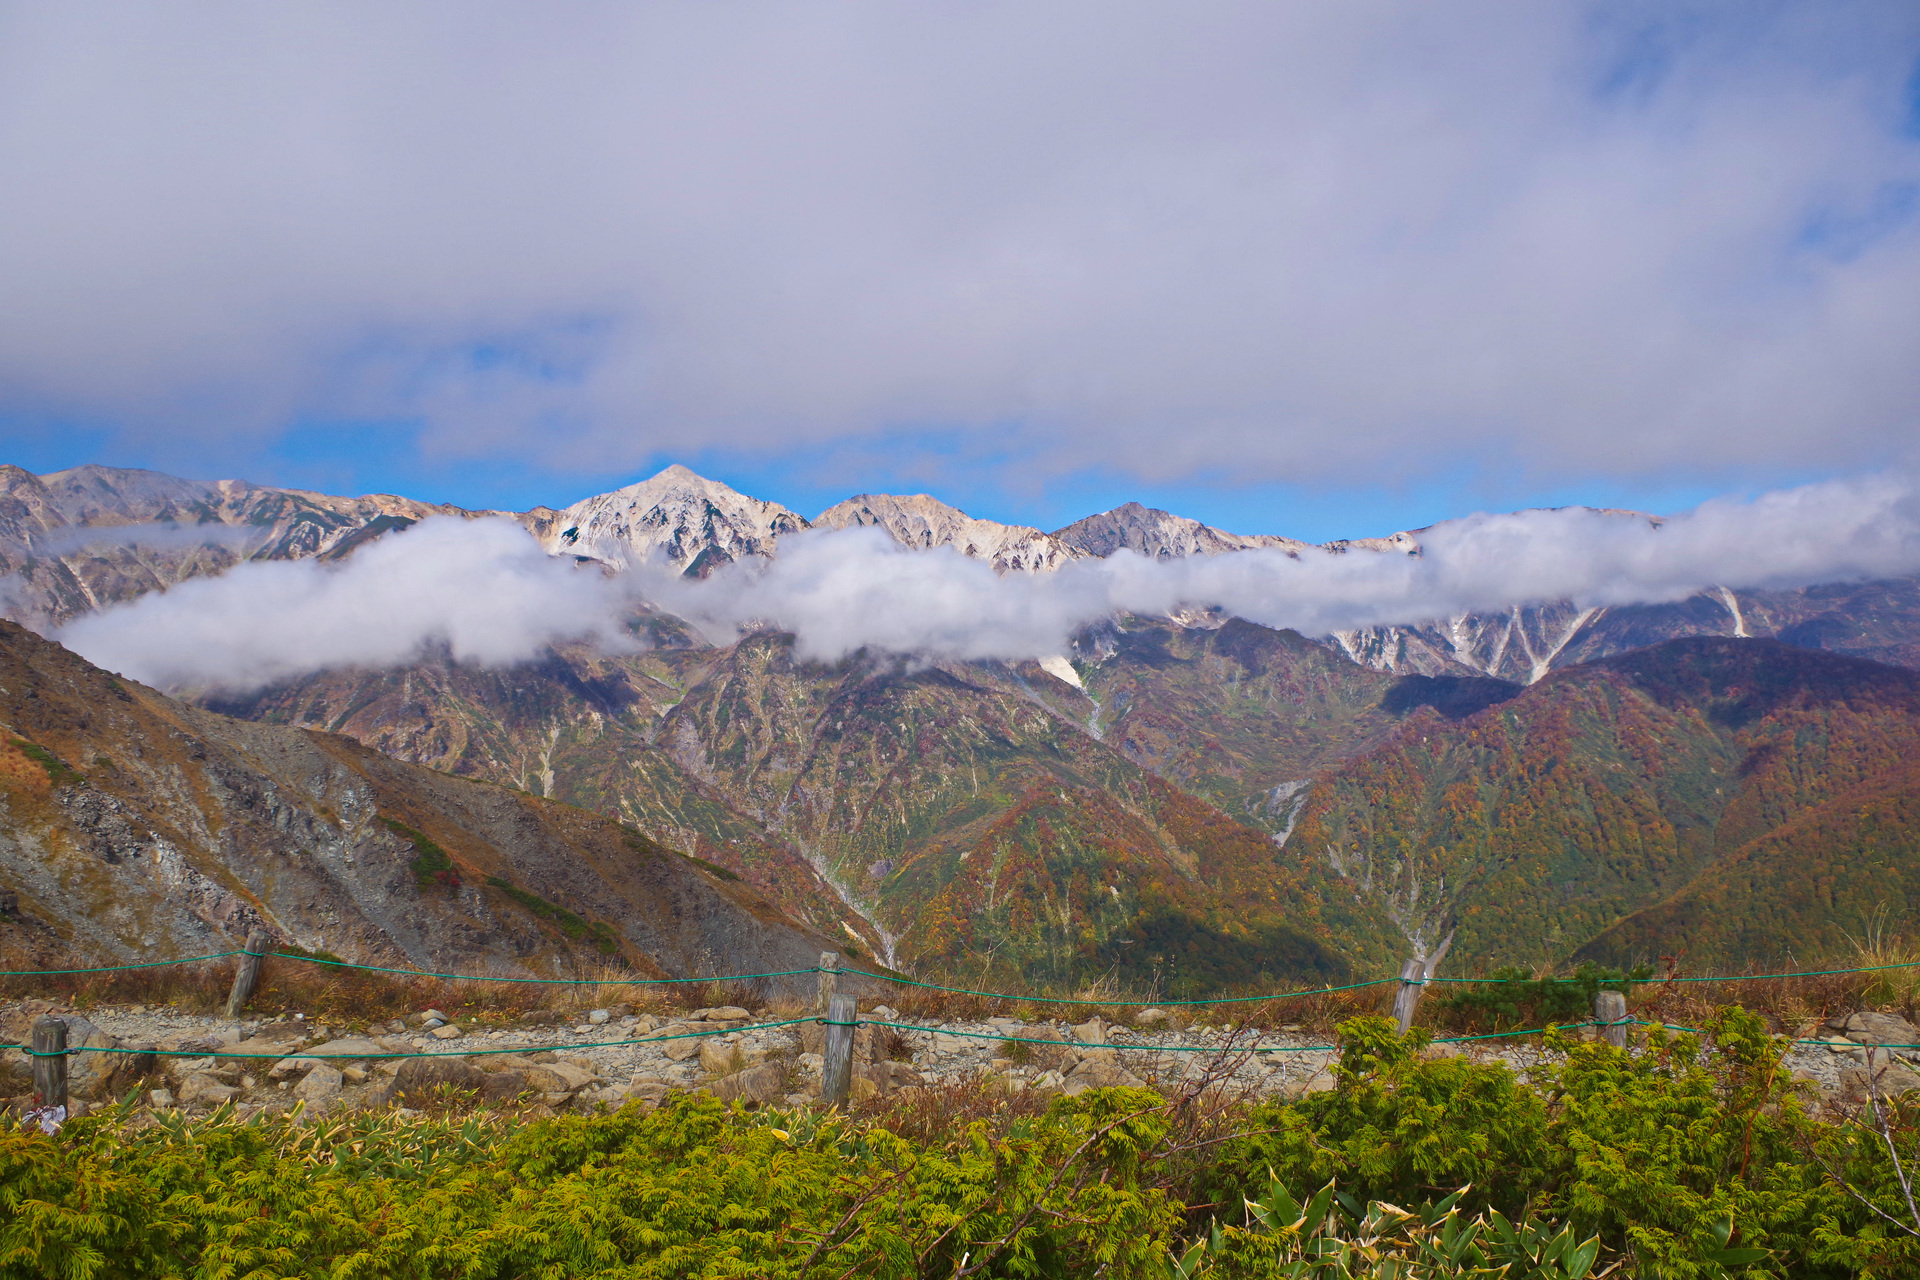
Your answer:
<point x="840" y="591"/>
<point x="484" y="589"/>
<point x="1275" y="240"/>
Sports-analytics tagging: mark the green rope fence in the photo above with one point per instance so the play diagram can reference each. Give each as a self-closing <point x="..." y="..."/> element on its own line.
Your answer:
<point x="1002" y="995"/>
<point x="899" y="980"/>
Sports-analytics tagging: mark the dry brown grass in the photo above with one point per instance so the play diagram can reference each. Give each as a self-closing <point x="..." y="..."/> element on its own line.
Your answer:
<point x="1315" y="1013"/>
<point x="933" y="1114"/>
<point x="349" y="996"/>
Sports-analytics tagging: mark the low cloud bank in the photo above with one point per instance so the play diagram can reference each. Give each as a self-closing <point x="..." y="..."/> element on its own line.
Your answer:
<point x="482" y="588"/>
<point x="838" y="592"/>
<point x="486" y="591"/>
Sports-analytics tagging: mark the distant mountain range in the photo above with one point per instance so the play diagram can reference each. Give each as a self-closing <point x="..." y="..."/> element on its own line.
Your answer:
<point x="77" y="540"/>
<point x="1198" y="801"/>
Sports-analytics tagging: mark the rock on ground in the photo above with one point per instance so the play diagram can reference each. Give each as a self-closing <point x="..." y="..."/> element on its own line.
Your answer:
<point x="762" y="1083"/>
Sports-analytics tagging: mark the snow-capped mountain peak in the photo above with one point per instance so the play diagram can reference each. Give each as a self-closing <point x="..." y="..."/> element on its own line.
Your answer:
<point x="695" y="523"/>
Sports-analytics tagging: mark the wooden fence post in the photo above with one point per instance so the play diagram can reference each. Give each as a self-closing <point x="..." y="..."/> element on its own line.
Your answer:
<point x="1414" y="975"/>
<point x="836" y="1074"/>
<point x="1610" y="1011"/>
<point x="49" y="1062"/>
<point x="247" y="972"/>
<point x="1407" y="998"/>
<point x="829" y="978"/>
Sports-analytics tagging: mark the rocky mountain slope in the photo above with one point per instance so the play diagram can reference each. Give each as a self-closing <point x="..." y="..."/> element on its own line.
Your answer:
<point x="134" y="827"/>
<point x="1213" y="808"/>
<point x="1161" y="535"/>
<point x="959" y="811"/>
<point x="1878" y="620"/>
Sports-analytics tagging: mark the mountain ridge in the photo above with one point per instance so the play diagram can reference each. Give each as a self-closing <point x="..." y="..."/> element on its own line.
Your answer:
<point x="689" y="524"/>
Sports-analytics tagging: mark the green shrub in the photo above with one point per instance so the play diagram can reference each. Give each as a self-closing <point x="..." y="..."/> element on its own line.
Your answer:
<point x="1512" y="997"/>
<point x="59" y="772"/>
<point x="1690" y="1159"/>
<point x="1333" y="1237"/>
<point x="431" y="865"/>
<point x="1654" y="1150"/>
<point x="573" y="925"/>
<point x="1398" y="1126"/>
<point x="693" y="1189"/>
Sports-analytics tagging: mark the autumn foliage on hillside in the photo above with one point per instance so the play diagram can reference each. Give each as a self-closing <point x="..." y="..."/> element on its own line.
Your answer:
<point x="1538" y="826"/>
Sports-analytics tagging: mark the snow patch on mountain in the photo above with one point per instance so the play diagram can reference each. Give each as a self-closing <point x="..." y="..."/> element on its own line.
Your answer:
<point x="923" y="522"/>
<point x="1057" y="666"/>
<point x="1161" y="535"/>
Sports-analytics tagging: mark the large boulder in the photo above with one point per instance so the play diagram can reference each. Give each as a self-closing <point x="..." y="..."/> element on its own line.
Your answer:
<point x="717" y="1058"/>
<point x="289" y="1029"/>
<point x="679" y="1050"/>
<point x="504" y="1086"/>
<point x="1092" y="1031"/>
<point x="762" y="1083"/>
<point x="1100" y="1069"/>
<point x="348" y="1048"/>
<point x="869" y="1042"/>
<point x="722" y="1013"/>
<point x="1889" y="1081"/>
<point x="1040" y="1049"/>
<point x="419" y="1078"/>
<point x="1880" y="1029"/>
<point x="887" y="1077"/>
<point x="558" y="1077"/>
<point x="205" y="1090"/>
<point x="321" y="1087"/>
<point x="134" y="1066"/>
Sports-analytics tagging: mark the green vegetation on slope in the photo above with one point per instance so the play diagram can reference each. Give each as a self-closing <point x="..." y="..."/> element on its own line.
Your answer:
<point x="572" y="925"/>
<point x="430" y="864"/>
<point x="58" y="771"/>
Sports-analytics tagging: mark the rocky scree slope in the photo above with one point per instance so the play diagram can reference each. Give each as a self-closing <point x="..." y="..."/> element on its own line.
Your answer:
<point x="134" y="827"/>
